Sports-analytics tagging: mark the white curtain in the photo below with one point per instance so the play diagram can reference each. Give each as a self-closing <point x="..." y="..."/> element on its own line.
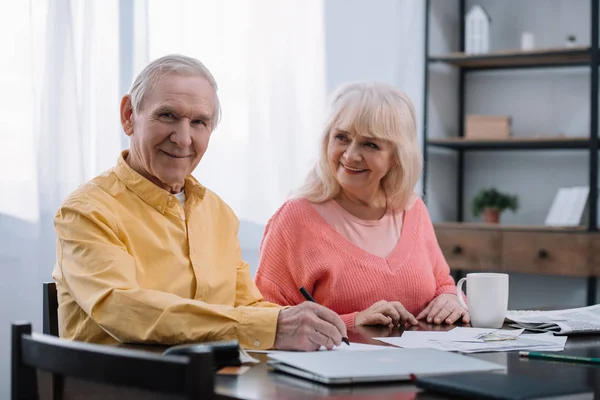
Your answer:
<point x="268" y="59"/>
<point x="79" y="133"/>
<point x="59" y="127"/>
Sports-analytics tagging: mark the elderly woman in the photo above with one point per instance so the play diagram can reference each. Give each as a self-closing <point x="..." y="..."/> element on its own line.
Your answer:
<point x="356" y="235"/>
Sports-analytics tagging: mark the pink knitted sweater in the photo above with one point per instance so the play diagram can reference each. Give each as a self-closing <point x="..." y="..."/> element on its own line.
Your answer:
<point x="300" y="249"/>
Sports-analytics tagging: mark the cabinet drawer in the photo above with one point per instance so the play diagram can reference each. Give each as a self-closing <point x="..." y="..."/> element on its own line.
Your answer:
<point x="473" y="250"/>
<point x="546" y="253"/>
<point x="594" y="260"/>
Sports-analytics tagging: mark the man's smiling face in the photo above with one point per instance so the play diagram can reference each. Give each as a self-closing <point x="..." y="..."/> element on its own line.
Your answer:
<point x="172" y="129"/>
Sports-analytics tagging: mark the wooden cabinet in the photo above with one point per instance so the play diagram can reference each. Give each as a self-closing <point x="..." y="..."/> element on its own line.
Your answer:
<point x="478" y="247"/>
<point x="546" y="253"/>
<point x="473" y="250"/>
<point x="594" y="256"/>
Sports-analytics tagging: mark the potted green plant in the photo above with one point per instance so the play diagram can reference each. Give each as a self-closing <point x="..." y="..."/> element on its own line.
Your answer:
<point x="491" y="203"/>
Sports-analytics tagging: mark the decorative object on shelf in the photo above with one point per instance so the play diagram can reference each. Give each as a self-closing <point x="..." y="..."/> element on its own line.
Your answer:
<point x="491" y="203"/>
<point x="571" y="41"/>
<point x="568" y="207"/>
<point x="527" y="41"/>
<point x="487" y="127"/>
<point x="477" y="31"/>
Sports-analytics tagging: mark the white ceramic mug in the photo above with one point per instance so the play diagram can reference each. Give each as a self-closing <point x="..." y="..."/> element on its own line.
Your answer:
<point x="487" y="294"/>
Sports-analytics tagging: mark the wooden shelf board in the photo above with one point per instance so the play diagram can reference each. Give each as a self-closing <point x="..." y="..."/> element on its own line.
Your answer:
<point x="558" y="142"/>
<point x="501" y="227"/>
<point x="516" y="58"/>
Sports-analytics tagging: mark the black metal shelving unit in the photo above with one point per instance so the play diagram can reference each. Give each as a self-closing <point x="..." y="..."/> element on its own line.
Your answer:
<point x="513" y="144"/>
<point x="550" y="58"/>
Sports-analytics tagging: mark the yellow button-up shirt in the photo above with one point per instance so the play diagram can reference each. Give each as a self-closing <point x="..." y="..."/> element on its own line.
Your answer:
<point x="134" y="266"/>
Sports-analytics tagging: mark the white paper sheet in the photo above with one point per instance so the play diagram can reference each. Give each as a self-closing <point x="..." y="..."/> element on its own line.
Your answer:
<point x="417" y="340"/>
<point x="473" y="340"/>
<point x="246" y="358"/>
<point x="480" y="335"/>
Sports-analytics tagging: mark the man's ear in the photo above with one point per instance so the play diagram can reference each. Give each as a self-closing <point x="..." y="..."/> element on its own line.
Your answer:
<point x="127" y="115"/>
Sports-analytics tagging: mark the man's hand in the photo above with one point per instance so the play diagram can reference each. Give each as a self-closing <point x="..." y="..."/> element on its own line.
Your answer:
<point x="444" y="309"/>
<point x="307" y="327"/>
<point x="385" y="313"/>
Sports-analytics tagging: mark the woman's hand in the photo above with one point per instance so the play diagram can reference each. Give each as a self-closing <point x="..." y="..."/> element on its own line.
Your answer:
<point x="444" y="309"/>
<point x="385" y="313"/>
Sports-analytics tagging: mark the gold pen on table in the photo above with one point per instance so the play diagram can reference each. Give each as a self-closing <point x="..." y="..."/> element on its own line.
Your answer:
<point x="559" y="357"/>
<point x="308" y="297"/>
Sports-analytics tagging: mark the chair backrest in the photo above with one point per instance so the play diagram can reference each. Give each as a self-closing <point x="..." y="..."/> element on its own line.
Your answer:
<point x="50" y="317"/>
<point x="93" y="366"/>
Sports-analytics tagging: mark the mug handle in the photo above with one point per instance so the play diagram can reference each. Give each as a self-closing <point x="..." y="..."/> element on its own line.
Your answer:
<point x="459" y="293"/>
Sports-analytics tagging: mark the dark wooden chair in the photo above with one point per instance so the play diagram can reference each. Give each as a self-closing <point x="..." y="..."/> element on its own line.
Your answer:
<point x="50" y="303"/>
<point x="94" y="371"/>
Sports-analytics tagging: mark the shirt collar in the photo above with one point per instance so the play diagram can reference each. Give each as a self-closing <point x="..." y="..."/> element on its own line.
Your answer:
<point x="148" y="191"/>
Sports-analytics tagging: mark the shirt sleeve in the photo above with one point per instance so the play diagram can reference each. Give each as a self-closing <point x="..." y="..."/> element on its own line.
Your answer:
<point x="247" y="293"/>
<point x="349" y="319"/>
<point x="277" y="277"/>
<point x="101" y="275"/>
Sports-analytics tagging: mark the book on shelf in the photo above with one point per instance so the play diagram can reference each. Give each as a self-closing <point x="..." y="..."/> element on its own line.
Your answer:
<point x="568" y="207"/>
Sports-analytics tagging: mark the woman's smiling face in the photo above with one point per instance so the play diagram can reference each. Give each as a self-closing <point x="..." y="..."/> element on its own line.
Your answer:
<point x="359" y="162"/>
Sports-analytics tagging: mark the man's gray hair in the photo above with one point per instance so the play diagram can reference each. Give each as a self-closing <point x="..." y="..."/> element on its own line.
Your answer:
<point x="147" y="80"/>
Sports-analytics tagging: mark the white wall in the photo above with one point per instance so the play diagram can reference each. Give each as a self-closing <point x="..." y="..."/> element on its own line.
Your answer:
<point x="376" y="40"/>
<point x="442" y="111"/>
<point x="368" y="40"/>
<point x="22" y="247"/>
<point x="250" y="234"/>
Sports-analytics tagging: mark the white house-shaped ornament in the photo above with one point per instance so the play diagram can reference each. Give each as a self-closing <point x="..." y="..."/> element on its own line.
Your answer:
<point x="477" y="30"/>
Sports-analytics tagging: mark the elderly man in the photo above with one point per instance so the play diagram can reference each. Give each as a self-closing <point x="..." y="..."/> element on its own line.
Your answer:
<point x="145" y="253"/>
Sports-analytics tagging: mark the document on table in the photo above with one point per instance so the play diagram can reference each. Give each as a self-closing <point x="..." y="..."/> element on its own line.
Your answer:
<point x="561" y="322"/>
<point x="246" y="358"/>
<point x="344" y="347"/>
<point x="475" y="340"/>
<point x="536" y="342"/>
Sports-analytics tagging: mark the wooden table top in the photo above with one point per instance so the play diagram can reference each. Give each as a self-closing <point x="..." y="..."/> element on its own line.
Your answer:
<point x="262" y="383"/>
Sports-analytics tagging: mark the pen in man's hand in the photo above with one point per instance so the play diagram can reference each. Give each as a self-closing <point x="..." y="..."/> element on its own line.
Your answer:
<point x="308" y="297"/>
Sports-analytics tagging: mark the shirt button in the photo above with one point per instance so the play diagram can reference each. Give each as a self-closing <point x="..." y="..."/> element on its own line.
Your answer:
<point x="256" y="343"/>
<point x="159" y="208"/>
<point x="182" y="216"/>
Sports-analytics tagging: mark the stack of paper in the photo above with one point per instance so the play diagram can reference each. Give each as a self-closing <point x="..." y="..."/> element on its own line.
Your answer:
<point x="561" y="322"/>
<point x="475" y="340"/>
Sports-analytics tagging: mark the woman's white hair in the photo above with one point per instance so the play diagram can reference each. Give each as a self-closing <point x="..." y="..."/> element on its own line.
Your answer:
<point x="150" y="76"/>
<point x="376" y="110"/>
